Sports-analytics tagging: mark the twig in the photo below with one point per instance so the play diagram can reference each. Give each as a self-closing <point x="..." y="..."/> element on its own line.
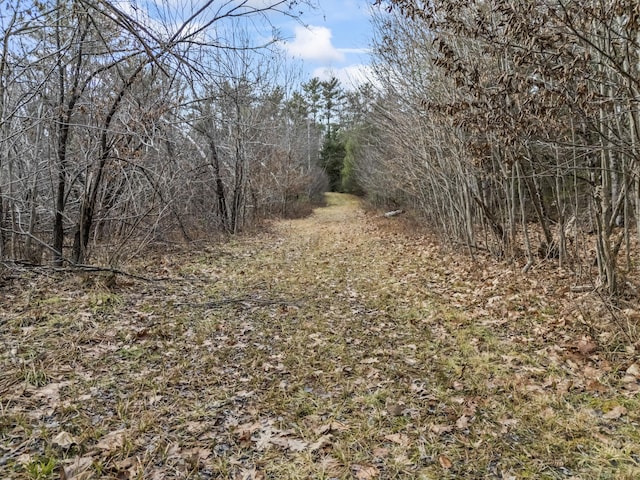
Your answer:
<point x="74" y="268"/>
<point x="582" y="288"/>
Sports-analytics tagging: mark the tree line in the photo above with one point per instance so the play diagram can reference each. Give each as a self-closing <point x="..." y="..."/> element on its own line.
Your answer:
<point x="508" y="126"/>
<point x="511" y="126"/>
<point x="121" y="126"/>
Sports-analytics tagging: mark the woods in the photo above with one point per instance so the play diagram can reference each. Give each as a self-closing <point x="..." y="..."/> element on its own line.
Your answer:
<point x="198" y="278"/>
<point x="509" y="127"/>
<point x="512" y="127"/>
<point x="121" y="126"/>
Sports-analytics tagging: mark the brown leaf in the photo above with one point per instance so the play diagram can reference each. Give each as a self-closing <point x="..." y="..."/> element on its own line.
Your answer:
<point x="398" y="438"/>
<point x="321" y="442"/>
<point x="370" y="360"/>
<point x="197" y="454"/>
<point x="330" y="466"/>
<point x="267" y="438"/>
<point x="51" y="392"/>
<point x="445" y="462"/>
<point x="380" y="452"/>
<point x="112" y="441"/>
<point x="507" y="423"/>
<point x="250" y="474"/>
<point x="615" y="413"/>
<point x="80" y="469"/>
<point x="462" y="423"/>
<point x="245" y="430"/>
<point x="339" y="427"/>
<point x="586" y="347"/>
<point x="592" y="373"/>
<point x="440" y="429"/>
<point x="634" y="370"/>
<point x="366" y="472"/>
<point x="395" y="409"/>
<point x="296" y="445"/>
<point x="596" y="386"/>
<point x="331" y="427"/>
<point x="63" y="440"/>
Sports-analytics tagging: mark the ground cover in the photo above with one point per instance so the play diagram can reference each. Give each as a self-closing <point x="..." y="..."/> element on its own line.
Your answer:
<point x="335" y="346"/>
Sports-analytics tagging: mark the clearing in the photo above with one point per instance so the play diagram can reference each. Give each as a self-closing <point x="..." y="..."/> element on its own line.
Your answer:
<point x="336" y="346"/>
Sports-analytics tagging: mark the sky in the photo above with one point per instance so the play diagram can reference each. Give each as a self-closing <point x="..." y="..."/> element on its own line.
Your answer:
<point x="330" y="40"/>
<point x="335" y="41"/>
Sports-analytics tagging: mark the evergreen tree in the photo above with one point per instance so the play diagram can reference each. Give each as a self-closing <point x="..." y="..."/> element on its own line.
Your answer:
<point x="332" y="98"/>
<point x="348" y="179"/>
<point x="332" y="158"/>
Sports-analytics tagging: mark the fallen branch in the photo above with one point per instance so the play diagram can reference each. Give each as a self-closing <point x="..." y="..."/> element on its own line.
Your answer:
<point x="582" y="288"/>
<point x="393" y="213"/>
<point x="75" y="268"/>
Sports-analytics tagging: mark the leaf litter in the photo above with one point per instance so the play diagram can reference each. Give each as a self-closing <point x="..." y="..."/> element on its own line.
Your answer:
<point x="342" y="345"/>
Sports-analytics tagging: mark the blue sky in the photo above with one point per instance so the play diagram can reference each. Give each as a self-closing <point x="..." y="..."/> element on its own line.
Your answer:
<point x="330" y="40"/>
<point x="335" y="41"/>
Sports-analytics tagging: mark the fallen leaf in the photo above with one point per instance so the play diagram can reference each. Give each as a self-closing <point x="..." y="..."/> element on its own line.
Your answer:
<point x="321" y="442"/>
<point x="173" y="450"/>
<point x="462" y="423"/>
<point x="380" y="452"/>
<point x="250" y="474"/>
<point x="402" y="461"/>
<point x="445" y="462"/>
<point x="331" y="427"/>
<point x="440" y="429"/>
<point x="63" y="440"/>
<point x="592" y="373"/>
<point x="634" y="370"/>
<point x="265" y="440"/>
<point x="507" y="423"/>
<point x="24" y="458"/>
<point x="197" y="454"/>
<point x="330" y="466"/>
<point x="458" y="386"/>
<point x="366" y="472"/>
<point x="395" y="409"/>
<point x="339" y="426"/>
<point x="297" y="445"/>
<point x="111" y="441"/>
<point x="398" y="438"/>
<point x="596" y="386"/>
<point x="125" y="464"/>
<point x="370" y="360"/>
<point x="51" y="392"/>
<point x="615" y="413"/>
<point x="79" y="469"/>
<point x="604" y="439"/>
<point x="548" y="413"/>
<point x="586" y="347"/>
<point x="245" y="430"/>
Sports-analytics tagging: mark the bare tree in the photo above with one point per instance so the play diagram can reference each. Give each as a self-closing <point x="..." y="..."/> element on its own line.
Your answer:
<point x="106" y="100"/>
<point x="507" y="113"/>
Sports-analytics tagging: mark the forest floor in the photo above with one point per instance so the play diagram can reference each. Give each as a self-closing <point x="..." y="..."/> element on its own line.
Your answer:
<point x="339" y="346"/>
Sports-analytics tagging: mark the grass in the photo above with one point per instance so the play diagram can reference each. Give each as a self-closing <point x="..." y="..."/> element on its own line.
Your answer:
<point x="336" y="346"/>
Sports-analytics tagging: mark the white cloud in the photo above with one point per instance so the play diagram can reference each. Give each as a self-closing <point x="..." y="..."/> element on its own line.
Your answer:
<point x="351" y="76"/>
<point x="314" y="43"/>
<point x="357" y="51"/>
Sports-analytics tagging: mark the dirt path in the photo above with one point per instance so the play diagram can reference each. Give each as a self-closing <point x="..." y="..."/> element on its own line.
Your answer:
<point x="334" y="346"/>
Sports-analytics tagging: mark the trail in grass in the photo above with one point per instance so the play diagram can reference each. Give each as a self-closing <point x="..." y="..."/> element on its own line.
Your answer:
<point x="334" y="346"/>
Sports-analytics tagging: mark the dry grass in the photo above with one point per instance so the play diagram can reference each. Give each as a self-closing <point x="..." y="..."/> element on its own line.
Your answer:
<point x="331" y="347"/>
